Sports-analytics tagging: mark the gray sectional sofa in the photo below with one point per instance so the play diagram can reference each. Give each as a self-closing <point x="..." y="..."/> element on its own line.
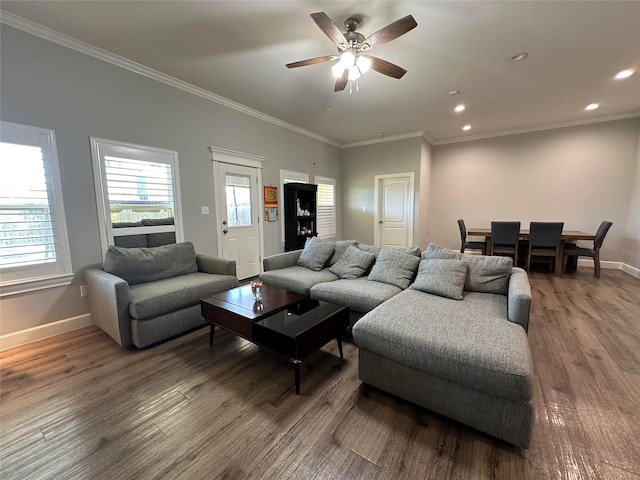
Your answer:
<point x="452" y="339"/>
<point x="145" y="295"/>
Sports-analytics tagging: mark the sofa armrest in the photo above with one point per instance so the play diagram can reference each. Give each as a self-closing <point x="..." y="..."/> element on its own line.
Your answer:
<point x="281" y="260"/>
<point x="221" y="266"/>
<point x="109" y="299"/>
<point x="519" y="298"/>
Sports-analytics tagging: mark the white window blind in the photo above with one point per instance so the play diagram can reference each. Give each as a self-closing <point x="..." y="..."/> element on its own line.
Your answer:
<point x="33" y="234"/>
<point x="326" y="209"/>
<point x="137" y="188"/>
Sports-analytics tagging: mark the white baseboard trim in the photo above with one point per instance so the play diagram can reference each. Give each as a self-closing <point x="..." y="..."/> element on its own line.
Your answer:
<point x="15" y="339"/>
<point x="587" y="262"/>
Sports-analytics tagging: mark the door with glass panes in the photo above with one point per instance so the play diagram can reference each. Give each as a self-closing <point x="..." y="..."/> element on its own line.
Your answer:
<point x="238" y="187"/>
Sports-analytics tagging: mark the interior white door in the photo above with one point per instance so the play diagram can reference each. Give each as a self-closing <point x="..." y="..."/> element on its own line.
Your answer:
<point x="394" y="210"/>
<point x="239" y="198"/>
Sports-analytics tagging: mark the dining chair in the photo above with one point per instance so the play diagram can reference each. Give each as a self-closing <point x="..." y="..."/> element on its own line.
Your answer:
<point x="504" y="239"/>
<point x="544" y="241"/>
<point x="589" y="252"/>
<point x="472" y="245"/>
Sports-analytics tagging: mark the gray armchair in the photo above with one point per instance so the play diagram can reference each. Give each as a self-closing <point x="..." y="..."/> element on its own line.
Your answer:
<point x="145" y="295"/>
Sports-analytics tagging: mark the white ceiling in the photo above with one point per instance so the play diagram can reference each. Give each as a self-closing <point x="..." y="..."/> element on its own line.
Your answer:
<point x="238" y="49"/>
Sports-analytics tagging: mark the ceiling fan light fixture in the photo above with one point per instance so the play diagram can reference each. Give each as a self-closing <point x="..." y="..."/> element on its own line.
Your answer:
<point x="363" y="63"/>
<point x="337" y="70"/>
<point x="354" y="73"/>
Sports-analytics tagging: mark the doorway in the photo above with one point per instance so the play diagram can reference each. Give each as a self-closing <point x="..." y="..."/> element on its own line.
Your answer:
<point x="393" y="203"/>
<point x="238" y="188"/>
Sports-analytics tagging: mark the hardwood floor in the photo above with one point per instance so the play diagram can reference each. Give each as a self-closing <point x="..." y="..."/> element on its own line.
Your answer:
<point x="77" y="406"/>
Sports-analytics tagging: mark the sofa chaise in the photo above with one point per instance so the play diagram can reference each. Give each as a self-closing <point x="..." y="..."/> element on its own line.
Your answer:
<point x="453" y="341"/>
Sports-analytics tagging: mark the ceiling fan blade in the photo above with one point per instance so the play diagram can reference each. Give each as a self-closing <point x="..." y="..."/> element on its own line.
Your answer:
<point x="330" y="29"/>
<point x="386" y="68"/>
<point x="388" y="33"/>
<point x="310" y="61"/>
<point x="341" y="82"/>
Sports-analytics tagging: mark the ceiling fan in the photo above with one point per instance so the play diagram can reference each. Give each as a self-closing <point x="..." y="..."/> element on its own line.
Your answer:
<point x="351" y="58"/>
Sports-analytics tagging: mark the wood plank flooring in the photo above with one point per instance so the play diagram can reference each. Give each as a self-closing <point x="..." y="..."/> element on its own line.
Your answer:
<point x="77" y="406"/>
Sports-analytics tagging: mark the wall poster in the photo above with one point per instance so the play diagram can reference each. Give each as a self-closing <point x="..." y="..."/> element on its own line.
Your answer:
<point x="271" y="203"/>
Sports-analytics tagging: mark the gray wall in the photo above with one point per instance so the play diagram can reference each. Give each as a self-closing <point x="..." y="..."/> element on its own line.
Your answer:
<point x="632" y="245"/>
<point x="359" y="167"/>
<point x="580" y="175"/>
<point x="47" y="85"/>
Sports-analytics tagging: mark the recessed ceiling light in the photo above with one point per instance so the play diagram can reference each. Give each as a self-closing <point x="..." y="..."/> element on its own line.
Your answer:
<point x="454" y="92"/>
<point x="624" y="74"/>
<point x="466" y="127"/>
<point x="518" y="57"/>
<point x="460" y="108"/>
<point x="381" y="134"/>
<point x="328" y="109"/>
<point x="591" y="106"/>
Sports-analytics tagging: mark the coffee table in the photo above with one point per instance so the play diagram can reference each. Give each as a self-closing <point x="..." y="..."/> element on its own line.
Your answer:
<point x="290" y="324"/>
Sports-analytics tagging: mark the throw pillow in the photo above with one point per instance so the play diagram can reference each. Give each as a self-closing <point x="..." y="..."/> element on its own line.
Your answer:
<point x="438" y="251"/>
<point x="140" y="265"/>
<point x="441" y="277"/>
<point x="488" y="274"/>
<point x="340" y="247"/>
<point x="353" y="263"/>
<point x="315" y="253"/>
<point x="394" y="268"/>
<point x="369" y="248"/>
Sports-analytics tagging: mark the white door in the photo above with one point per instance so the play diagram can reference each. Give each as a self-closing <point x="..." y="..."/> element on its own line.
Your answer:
<point x="394" y="210"/>
<point x="239" y="199"/>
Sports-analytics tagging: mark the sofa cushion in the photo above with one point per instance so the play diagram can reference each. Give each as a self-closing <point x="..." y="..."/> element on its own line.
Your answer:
<point x="469" y="342"/>
<point x="353" y="263"/>
<point x="439" y="252"/>
<point x="341" y="246"/>
<point x="139" y="265"/>
<point x="369" y="248"/>
<point x="394" y="267"/>
<point x="167" y="295"/>
<point x="315" y="254"/>
<point x="297" y="279"/>
<point x="488" y="274"/>
<point x="360" y="294"/>
<point x="441" y="277"/>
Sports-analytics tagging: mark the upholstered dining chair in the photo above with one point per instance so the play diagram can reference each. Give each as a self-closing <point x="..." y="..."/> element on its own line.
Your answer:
<point x="505" y="237"/>
<point x="589" y="252"/>
<point x="471" y="245"/>
<point x="544" y="241"/>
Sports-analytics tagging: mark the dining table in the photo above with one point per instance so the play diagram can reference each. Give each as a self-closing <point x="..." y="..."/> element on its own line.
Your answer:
<point x="568" y="236"/>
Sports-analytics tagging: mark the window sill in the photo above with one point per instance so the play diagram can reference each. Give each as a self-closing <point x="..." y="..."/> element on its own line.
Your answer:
<point x="20" y="287"/>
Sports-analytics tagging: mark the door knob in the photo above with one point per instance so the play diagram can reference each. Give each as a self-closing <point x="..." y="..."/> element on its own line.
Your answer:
<point x="225" y="231"/>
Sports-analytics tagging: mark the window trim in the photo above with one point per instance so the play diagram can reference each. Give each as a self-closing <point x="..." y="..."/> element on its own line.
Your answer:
<point x="321" y="180"/>
<point x="45" y="138"/>
<point x="101" y="147"/>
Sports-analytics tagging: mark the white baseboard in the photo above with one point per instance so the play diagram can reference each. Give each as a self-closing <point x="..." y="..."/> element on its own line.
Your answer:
<point x="587" y="262"/>
<point x="15" y="339"/>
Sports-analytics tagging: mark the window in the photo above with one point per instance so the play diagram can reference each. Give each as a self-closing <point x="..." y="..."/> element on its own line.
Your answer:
<point x="137" y="191"/>
<point x="33" y="230"/>
<point x="238" y="190"/>
<point x="326" y="212"/>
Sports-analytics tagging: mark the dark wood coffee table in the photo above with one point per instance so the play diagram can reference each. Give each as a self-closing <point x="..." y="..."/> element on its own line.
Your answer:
<point x="287" y="323"/>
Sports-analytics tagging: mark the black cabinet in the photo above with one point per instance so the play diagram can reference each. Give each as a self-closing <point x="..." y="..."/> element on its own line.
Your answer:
<point x="300" y="200"/>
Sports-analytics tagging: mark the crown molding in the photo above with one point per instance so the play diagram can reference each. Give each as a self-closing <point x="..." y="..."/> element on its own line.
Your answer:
<point x="393" y="138"/>
<point x="504" y="133"/>
<point x="54" y="36"/>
